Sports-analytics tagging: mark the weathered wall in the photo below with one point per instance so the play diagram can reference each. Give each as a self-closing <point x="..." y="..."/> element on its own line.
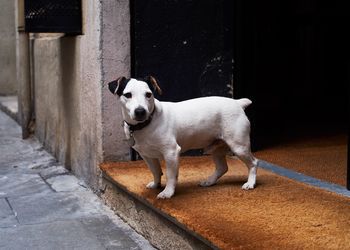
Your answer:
<point x="115" y="45"/>
<point x="8" y="83"/>
<point x="76" y="116"/>
<point x="67" y="81"/>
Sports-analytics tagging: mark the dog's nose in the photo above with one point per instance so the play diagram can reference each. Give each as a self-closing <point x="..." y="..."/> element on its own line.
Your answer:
<point x="140" y="114"/>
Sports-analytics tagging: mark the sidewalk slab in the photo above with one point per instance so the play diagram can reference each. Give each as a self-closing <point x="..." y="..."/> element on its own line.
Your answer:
<point x="82" y="234"/>
<point x="14" y="185"/>
<point x="8" y="126"/>
<point x="9" y="105"/>
<point x="53" y="171"/>
<point x="42" y="208"/>
<point x="23" y="156"/>
<point x="113" y="237"/>
<point x="7" y="217"/>
<point x="57" y="235"/>
<point x="65" y="183"/>
<point x="13" y="150"/>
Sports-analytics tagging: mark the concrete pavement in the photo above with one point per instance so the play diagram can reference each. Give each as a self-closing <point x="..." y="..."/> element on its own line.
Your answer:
<point x="43" y="206"/>
<point x="9" y="105"/>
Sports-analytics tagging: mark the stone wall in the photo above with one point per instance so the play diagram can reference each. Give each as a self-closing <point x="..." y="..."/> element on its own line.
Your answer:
<point x="115" y="48"/>
<point x="8" y="83"/>
<point x="77" y="118"/>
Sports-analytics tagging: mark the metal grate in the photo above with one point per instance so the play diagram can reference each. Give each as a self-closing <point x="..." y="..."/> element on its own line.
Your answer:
<point x="57" y="16"/>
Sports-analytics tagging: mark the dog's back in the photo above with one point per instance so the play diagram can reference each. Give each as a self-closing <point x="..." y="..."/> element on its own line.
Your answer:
<point x="204" y="119"/>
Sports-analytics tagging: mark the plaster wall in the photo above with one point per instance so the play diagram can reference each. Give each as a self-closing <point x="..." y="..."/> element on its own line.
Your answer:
<point x="77" y="118"/>
<point x="67" y="81"/>
<point x="8" y="83"/>
<point x="115" y="48"/>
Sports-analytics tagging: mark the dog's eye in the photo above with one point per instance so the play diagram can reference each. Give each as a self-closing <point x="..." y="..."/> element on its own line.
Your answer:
<point x="148" y="94"/>
<point x="127" y="95"/>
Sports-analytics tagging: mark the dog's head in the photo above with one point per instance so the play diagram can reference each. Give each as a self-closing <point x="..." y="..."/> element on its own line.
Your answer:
<point x="136" y="96"/>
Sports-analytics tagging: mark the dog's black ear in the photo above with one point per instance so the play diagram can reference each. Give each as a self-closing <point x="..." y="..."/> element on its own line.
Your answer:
<point x="113" y="86"/>
<point x="117" y="86"/>
<point x="153" y="84"/>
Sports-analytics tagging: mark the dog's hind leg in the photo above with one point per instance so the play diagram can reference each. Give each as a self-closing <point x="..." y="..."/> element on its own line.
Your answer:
<point x="245" y="155"/>
<point x="220" y="169"/>
<point x="154" y="166"/>
<point x="240" y="146"/>
<point x="252" y="164"/>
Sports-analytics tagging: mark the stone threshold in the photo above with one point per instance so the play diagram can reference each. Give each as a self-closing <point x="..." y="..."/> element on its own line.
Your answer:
<point x="278" y="214"/>
<point x="160" y="228"/>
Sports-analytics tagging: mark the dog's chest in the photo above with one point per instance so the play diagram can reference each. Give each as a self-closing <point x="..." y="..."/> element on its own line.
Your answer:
<point x="143" y="144"/>
<point x="147" y="149"/>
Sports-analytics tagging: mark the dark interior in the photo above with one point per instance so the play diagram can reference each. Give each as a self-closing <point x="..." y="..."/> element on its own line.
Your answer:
<point x="186" y="45"/>
<point x="292" y="60"/>
<point x="290" y="57"/>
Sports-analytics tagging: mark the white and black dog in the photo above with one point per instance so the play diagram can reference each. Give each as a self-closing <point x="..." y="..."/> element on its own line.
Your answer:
<point x="162" y="130"/>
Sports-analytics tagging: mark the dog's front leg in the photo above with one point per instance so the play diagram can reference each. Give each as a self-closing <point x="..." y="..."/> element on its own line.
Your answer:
<point x="172" y="170"/>
<point x="154" y="166"/>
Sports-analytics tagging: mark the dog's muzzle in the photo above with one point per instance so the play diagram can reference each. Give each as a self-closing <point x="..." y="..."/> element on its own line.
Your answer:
<point x="140" y="114"/>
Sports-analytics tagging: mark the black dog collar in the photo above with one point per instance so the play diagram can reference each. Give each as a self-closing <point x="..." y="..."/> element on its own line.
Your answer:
<point x="141" y="125"/>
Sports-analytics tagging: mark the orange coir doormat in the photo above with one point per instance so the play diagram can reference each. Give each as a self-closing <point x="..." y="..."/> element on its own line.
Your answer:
<point x="323" y="157"/>
<point x="278" y="214"/>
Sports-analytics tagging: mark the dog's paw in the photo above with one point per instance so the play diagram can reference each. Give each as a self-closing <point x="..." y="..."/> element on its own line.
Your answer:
<point x="248" y="186"/>
<point x="165" y="194"/>
<point x="153" y="185"/>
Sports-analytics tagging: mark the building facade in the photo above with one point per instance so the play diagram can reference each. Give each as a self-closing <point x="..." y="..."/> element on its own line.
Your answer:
<point x="226" y="48"/>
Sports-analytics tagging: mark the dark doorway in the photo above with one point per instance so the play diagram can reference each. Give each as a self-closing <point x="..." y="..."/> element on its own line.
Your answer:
<point x="292" y="59"/>
<point x="186" y="45"/>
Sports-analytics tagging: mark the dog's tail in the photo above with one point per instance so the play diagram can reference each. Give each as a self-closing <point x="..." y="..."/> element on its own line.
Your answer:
<point x="244" y="102"/>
